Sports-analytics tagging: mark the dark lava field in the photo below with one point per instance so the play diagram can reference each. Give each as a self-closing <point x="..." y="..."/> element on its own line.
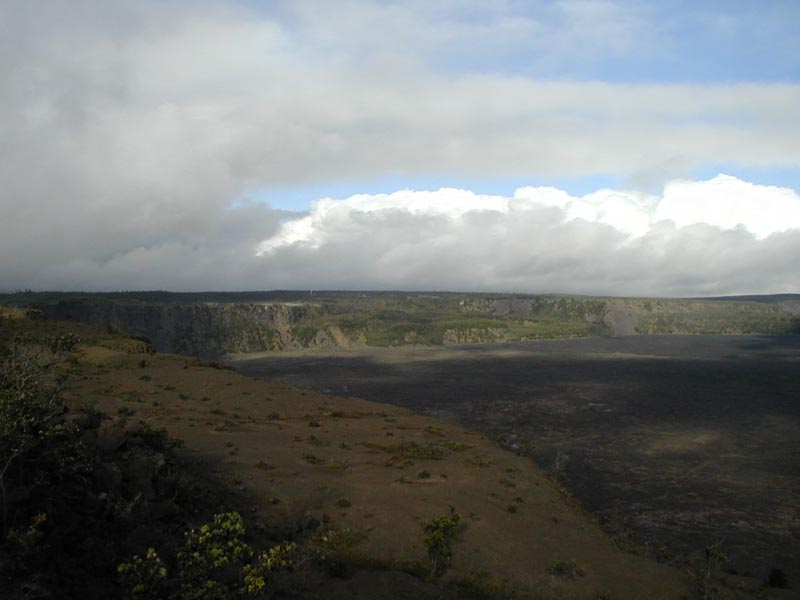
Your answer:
<point x="684" y="440"/>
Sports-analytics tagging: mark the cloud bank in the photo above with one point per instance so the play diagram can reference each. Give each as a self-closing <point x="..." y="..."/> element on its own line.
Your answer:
<point x="130" y="133"/>
<point x="714" y="237"/>
<point x="544" y="240"/>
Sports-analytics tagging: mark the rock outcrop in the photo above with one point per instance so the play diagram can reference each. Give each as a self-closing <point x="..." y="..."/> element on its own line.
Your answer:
<point x="209" y="329"/>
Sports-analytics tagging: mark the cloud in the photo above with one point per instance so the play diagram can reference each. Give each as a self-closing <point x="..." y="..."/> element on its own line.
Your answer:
<point x="544" y="240"/>
<point x="130" y="132"/>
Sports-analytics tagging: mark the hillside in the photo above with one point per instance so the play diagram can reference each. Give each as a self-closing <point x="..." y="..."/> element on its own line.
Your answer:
<point x="295" y="458"/>
<point x="213" y="324"/>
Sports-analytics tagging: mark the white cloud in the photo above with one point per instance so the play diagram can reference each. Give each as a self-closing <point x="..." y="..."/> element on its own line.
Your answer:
<point x="544" y="240"/>
<point x="723" y="202"/>
<point x="728" y="202"/>
<point x="128" y="129"/>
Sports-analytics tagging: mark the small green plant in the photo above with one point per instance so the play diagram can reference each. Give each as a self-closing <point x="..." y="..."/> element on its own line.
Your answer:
<point x="334" y="541"/>
<point x="439" y="536"/>
<point x="257" y="575"/>
<point x="143" y="578"/>
<point x="311" y="458"/>
<point x="456" y="446"/>
<point x="478" y="585"/>
<point x="124" y="411"/>
<point x="559" y="470"/>
<point x="479" y="462"/>
<point x="214" y="564"/>
<point x="158" y="438"/>
<point x="714" y="558"/>
<point x="62" y="343"/>
<point x="568" y="569"/>
<point x="21" y="545"/>
<point x="336" y="464"/>
<point x="213" y="553"/>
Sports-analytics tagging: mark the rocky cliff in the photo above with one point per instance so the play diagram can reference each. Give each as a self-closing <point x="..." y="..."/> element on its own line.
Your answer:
<point x="204" y="329"/>
<point x="343" y="319"/>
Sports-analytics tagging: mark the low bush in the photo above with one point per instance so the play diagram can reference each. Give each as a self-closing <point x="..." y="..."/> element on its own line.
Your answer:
<point x="439" y="536"/>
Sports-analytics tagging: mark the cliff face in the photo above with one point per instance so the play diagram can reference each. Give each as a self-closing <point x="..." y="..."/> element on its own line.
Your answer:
<point x="631" y="316"/>
<point x="211" y="329"/>
<point x="202" y="329"/>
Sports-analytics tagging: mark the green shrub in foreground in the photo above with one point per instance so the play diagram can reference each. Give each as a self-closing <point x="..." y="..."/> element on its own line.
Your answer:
<point x="438" y="541"/>
<point x="216" y="564"/>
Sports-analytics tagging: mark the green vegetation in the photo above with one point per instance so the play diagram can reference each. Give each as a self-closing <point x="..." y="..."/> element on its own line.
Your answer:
<point x="439" y="536"/>
<point x="30" y="434"/>
<point x="568" y="569"/>
<point x="214" y="564"/>
<point x="215" y="323"/>
<point x="76" y="483"/>
<point x="93" y="507"/>
<point x="714" y="559"/>
<point x="478" y="585"/>
<point x="69" y="498"/>
<point x="410" y="450"/>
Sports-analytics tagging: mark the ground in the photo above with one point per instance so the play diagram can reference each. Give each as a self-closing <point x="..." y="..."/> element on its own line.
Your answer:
<point x="294" y="457"/>
<point x="687" y="440"/>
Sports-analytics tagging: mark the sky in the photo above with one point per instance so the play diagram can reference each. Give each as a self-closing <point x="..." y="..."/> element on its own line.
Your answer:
<point x="615" y="147"/>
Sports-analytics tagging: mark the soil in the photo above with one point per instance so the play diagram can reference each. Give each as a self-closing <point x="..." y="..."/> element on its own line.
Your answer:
<point x="295" y="458"/>
<point x="685" y="440"/>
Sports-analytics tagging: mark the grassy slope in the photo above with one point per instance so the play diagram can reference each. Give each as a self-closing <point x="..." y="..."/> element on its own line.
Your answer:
<point x="267" y="440"/>
<point x="297" y="454"/>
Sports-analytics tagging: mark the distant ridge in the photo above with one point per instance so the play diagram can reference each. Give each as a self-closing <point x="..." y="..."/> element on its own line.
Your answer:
<point x="211" y="324"/>
<point x="766" y="298"/>
<point x="28" y="297"/>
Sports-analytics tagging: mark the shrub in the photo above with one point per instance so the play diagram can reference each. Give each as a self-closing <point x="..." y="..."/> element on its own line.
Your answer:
<point x="257" y="575"/>
<point x="438" y="541"/>
<point x="158" y="438"/>
<point x="143" y="578"/>
<point x="214" y="564"/>
<point x="212" y="558"/>
<point x="27" y="413"/>
<point x="62" y="343"/>
<point x="568" y="569"/>
<point x="714" y="558"/>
